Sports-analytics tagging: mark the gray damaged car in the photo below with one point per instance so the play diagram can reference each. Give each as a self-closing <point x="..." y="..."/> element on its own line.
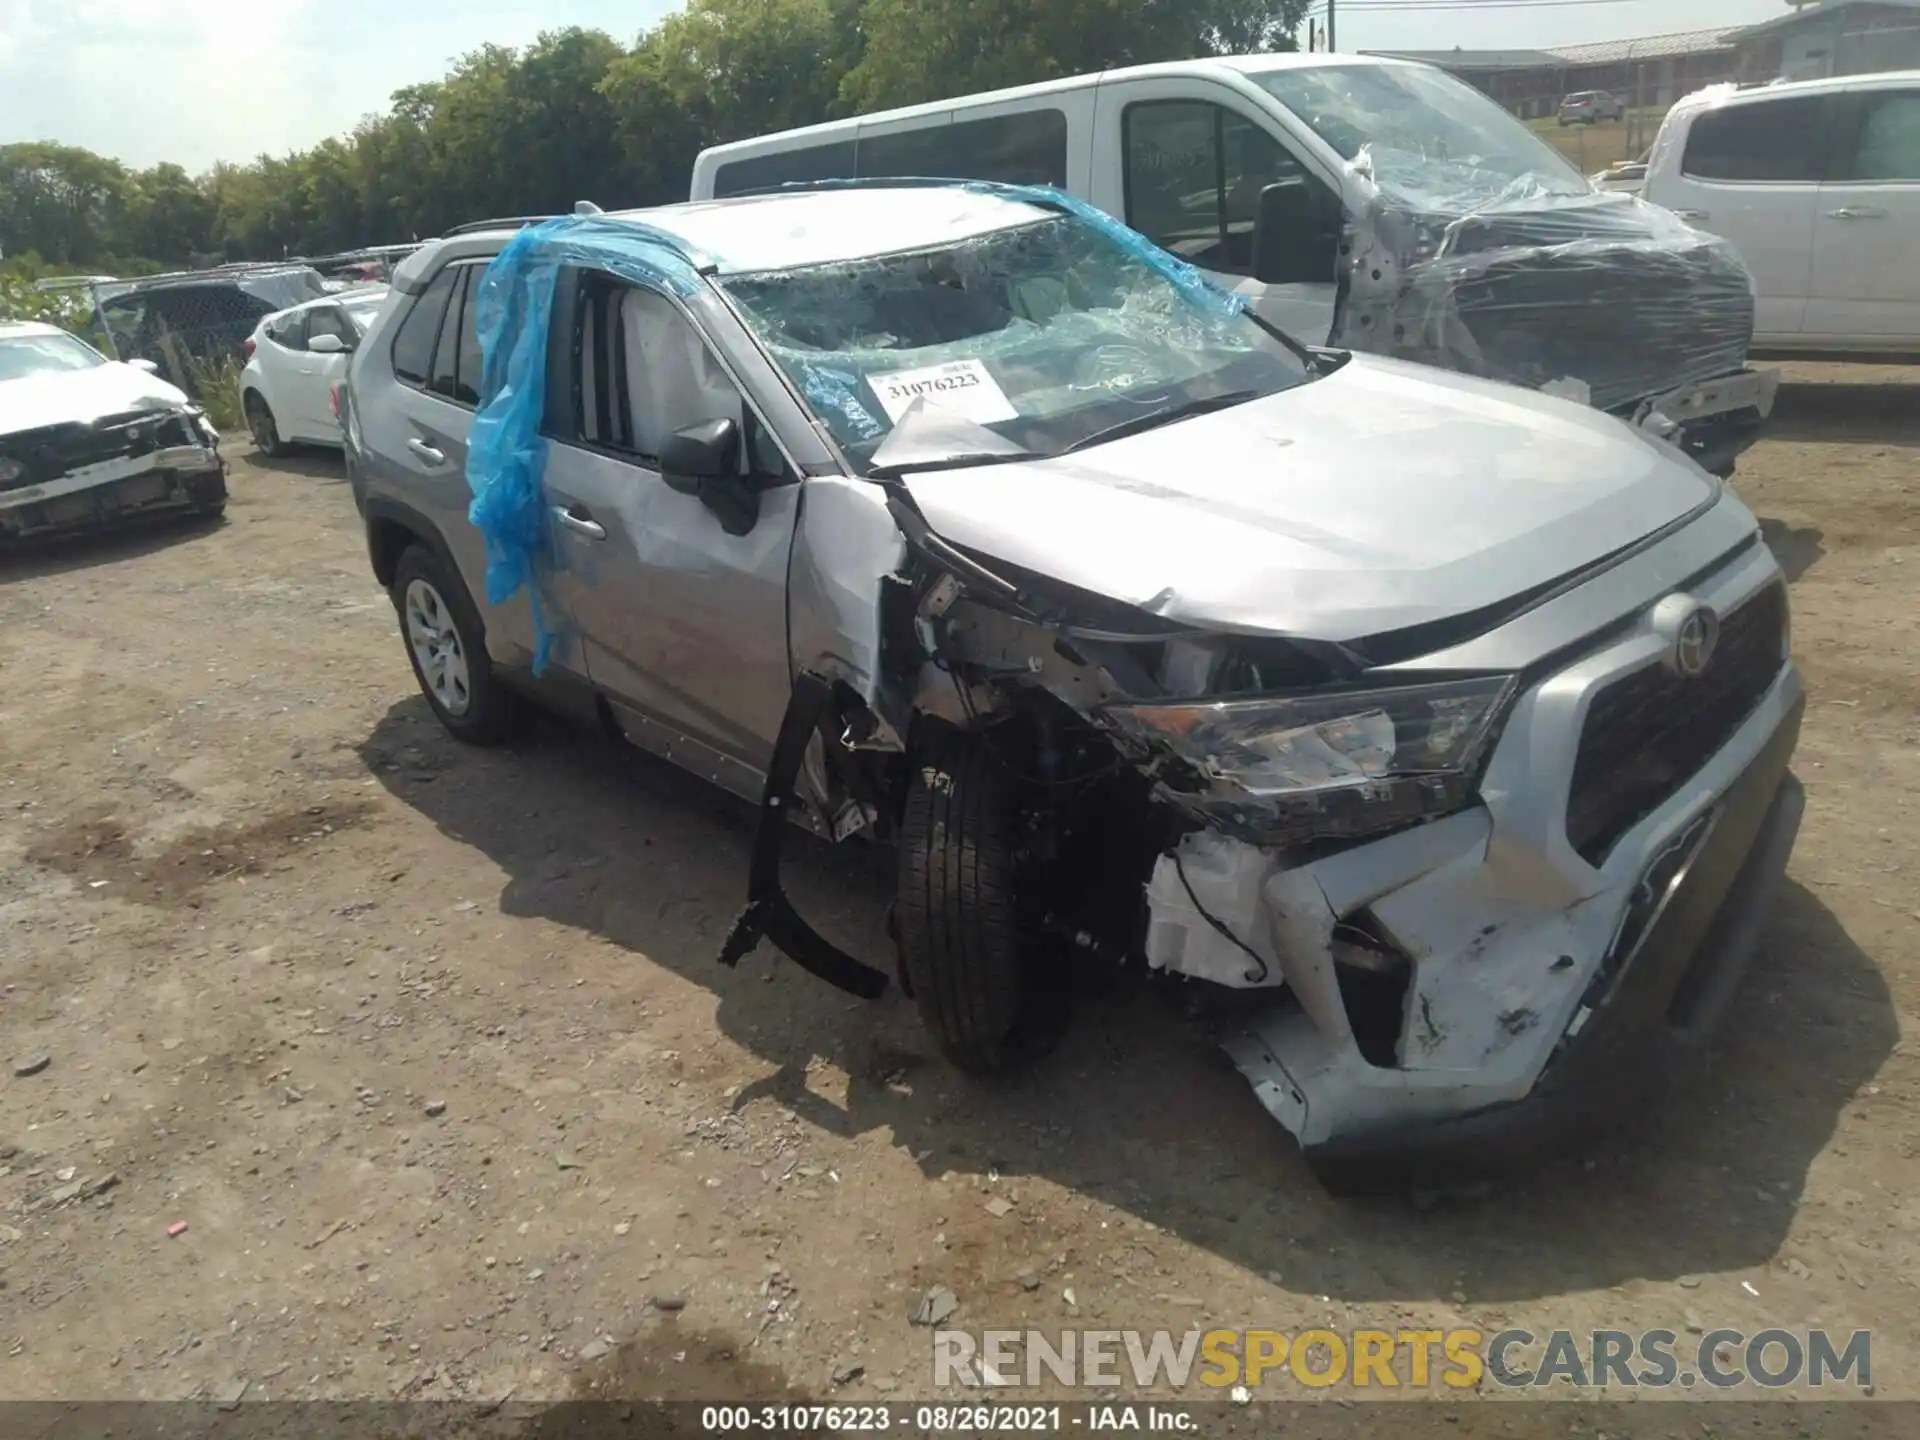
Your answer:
<point x="1438" y="728"/>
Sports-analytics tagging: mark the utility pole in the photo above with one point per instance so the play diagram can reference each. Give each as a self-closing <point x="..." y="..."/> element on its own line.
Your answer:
<point x="1329" y="26"/>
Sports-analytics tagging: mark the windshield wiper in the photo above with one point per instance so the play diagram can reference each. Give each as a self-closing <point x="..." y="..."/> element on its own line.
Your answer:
<point x="1155" y="418"/>
<point x="948" y="462"/>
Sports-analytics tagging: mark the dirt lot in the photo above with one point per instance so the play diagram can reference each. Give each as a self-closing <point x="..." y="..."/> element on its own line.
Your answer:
<point x="428" y="1051"/>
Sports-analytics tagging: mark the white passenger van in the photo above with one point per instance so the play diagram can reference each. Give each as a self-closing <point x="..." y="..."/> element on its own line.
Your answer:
<point x="1371" y="203"/>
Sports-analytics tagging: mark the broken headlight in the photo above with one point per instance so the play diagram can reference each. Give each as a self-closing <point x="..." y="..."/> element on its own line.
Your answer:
<point x="1331" y="762"/>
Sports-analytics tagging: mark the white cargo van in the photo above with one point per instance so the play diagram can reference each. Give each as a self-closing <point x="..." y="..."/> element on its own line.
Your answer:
<point x="1369" y="203"/>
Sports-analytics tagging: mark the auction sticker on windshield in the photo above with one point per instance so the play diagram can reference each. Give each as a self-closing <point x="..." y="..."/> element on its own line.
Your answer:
<point x="962" y="387"/>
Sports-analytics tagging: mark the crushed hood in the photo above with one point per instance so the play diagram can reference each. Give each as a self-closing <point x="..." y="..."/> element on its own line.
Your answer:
<point x="1382" y="496"/>
<point x="82" y="395"/>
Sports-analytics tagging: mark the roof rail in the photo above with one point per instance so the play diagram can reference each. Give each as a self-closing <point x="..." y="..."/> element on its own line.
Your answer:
<point x="866" y="182"/>
<point x="507" y="222"/>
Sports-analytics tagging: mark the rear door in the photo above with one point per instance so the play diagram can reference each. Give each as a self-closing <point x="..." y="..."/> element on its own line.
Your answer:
<point x="282" y="339"/>
<point x="1865" y="288"/>
<point x="313" y="375"/>
<point x="683" y="622"/>
<point x="1750" y="170"/>
<point x="1183" y="161"/>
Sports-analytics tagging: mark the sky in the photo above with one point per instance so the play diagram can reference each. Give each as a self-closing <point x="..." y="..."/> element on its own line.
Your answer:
<point x="197" y="81"/>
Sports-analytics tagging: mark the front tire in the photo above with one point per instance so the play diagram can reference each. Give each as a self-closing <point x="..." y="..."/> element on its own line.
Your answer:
<point x="964" y="941"/>
<point x="448" y="650"/>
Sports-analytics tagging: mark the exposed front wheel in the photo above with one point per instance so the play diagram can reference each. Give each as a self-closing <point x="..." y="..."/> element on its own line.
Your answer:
<point x="965" y="939"/>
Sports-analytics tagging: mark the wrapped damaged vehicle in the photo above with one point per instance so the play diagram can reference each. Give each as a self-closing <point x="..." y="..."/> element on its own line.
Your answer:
<point x="1439" y="727"/>
<point x="1360" y="201"/>
<point x="88" y="443"/>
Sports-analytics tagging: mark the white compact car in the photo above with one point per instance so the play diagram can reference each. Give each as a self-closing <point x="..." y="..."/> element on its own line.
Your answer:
<point x="295" y="358"/>
<point x="87" y="443"/>
<point x="1817" y="184"/>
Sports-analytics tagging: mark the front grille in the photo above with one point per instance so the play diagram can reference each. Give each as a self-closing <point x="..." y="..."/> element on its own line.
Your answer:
<point x="1649" y="732"/>
<point x="50" y="451"/>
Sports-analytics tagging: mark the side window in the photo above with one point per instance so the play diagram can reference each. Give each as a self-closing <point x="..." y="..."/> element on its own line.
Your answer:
<point x="645" y="372"/>
<point x="289" y="331"/>
<point x="1194" y="174"/>
<point x="1765" y="140"/>
<point x="467" y="368"/>
<point x="329" y="321"/>
<point x="1888" y="146"/>
<point x="1028" y="147"/>
<point x="413" y="341"/>
<point x="813" y="162"/>
<point x="443" y="377"/>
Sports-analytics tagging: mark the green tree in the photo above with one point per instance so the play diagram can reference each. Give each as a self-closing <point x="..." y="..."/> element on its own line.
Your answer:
<point x="169" y="216"/>
<point x="66" y="203"/>
<point x="576" y="115"/>
<point x="722" y="70"/>
<point x="915" y="52"/>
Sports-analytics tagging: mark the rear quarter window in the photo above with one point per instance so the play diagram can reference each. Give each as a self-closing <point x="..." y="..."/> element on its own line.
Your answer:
<point x="832" y="161"/>
<point x="1027" y="147"/>
<point x="1760" y="141"/>
<point x="413" y="341"/>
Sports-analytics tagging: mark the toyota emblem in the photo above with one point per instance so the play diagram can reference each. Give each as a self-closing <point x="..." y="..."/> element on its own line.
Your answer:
<point x="1691" y="631"/>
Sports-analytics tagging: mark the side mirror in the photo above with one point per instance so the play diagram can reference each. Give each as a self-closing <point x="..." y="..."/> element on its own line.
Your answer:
<point x="145" y="366"/>
<point x="328" y="344"/>
<point x="703" y="460"/>
<point x="709" y="450"/>
<point x="1296" y="236"/>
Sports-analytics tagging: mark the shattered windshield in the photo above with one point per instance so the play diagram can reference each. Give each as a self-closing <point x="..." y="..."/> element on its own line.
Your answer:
<point x="1418" y="124"/>
<point x="1026" y="341"/>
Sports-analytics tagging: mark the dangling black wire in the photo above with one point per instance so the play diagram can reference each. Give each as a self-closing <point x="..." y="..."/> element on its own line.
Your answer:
<point x="1253" y="978"/>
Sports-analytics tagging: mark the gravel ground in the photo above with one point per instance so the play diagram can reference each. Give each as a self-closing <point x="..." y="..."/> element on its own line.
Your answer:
<point x="380" y="1067"/>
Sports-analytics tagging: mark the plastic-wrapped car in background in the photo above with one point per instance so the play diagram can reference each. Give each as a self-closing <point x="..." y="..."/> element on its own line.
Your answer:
<point x="1521" y="281"/>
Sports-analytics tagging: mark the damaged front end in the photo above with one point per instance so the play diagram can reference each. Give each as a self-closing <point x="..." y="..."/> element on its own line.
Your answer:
<point x="1596" y="297"/>
<point x="83" y="475"/>
<point x="1441" y="730"/>
<point x="1449" y="917"/>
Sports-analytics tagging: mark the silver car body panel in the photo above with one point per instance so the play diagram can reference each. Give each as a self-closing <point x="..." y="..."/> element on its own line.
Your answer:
<point x="1378" y="497"/>
<point x="1285" y="516"/>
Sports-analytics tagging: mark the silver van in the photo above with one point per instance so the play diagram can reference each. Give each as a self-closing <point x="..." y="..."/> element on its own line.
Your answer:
<point x="1438" y="728"/>
<point x="1371" y="203"/>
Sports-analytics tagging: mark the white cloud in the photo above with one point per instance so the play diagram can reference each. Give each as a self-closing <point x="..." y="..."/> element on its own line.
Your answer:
<point x="150" y="80"/>
<point x="195" y="81"/>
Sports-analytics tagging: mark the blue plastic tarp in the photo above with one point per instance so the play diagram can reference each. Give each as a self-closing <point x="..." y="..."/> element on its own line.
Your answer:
<point x="506" y="454"/>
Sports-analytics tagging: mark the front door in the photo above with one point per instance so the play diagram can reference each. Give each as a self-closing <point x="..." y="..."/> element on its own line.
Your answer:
<point x="683" y="623"/>
<point x="1183" y="161"/>
<point x="1866" y="226"/>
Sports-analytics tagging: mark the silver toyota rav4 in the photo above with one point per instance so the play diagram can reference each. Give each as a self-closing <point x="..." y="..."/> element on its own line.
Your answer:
<point x="1440" y="728"/>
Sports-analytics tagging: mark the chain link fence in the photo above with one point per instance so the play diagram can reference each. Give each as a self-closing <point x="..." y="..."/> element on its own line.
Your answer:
<point x="200" y="321"/>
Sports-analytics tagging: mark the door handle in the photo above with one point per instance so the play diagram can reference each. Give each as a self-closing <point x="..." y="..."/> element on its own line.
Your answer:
<point x="1857" y="212"/>
<point x="579" y="524"/>
<point x="425" y="453"/>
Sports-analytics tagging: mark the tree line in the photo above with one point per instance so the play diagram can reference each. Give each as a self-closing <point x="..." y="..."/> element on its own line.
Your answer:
<point x="577" y="115"/>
